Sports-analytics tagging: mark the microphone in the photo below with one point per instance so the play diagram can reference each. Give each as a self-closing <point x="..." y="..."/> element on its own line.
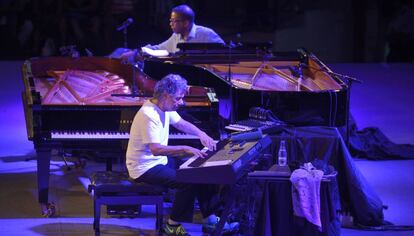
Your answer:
<point x="247" y="135"/>
<point x="239" y="43"/>
<point x="256" y="134"/>
<point x="125" y="24"/>
<point x="88" y="52"/>
<point x="303" y="52"/>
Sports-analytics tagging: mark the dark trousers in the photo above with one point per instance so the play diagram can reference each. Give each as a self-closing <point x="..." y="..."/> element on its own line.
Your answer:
<point x="183" y="205"/>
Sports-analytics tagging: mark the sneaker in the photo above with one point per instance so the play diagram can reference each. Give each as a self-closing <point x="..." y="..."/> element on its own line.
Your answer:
<point x="174" y="230"/>
<point x="210" y="227"/>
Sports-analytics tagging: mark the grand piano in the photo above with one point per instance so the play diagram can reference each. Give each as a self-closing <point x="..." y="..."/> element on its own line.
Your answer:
<point x="296" y="86"/>
<point x="88" y="104"/>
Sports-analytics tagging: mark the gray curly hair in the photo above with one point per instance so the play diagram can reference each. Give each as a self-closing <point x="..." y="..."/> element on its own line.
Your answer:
<point x="170" y="84"/>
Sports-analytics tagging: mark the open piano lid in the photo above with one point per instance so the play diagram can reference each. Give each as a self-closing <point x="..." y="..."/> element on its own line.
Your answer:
<point x="269" y="81"/>
<point x="93" y="81"/>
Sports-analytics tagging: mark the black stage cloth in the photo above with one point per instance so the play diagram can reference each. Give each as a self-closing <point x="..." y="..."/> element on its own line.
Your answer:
<point x="323" y="145"/>
<point x="371" y="143"/>
<point x="275" y="215"/>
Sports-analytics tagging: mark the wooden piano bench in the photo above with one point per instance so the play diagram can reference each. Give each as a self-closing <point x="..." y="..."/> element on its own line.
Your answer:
<point x="116" y="188"/>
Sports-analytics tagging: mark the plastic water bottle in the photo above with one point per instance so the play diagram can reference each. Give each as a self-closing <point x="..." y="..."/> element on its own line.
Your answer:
<point x="282" y="154"/>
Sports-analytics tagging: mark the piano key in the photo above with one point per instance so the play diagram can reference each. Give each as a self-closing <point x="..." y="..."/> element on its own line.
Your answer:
<point x="182" y="136"/>
<point x="198" y="161"/>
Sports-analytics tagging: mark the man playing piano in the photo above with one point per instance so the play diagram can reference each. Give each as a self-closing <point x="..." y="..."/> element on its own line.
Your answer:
<point x="148" y="148"/>
<point x="184" y="30"/>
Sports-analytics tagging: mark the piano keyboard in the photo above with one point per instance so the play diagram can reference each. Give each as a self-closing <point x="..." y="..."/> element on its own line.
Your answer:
<point x="223" y="166"/>
<point x="108" y="135"/>
<point x="198" y="161"/>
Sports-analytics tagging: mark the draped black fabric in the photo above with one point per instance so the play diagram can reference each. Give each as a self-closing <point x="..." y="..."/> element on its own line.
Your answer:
<point x="371" y="143"/>
<point x="325" y="144"/>
<point x="276" y="217"/>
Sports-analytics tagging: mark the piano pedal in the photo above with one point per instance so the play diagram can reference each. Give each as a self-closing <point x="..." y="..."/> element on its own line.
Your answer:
<point x="79" y="162"/>
<point x="67" y="166"/>
<point x="48" y="209"/>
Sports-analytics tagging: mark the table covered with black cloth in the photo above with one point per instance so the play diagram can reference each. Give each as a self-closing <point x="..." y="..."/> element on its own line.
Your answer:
<point x="325" y="144"/>
<point x="275" y="216"/>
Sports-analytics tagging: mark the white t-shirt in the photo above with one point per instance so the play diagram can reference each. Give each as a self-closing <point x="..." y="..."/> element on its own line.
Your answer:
<point x="150" y="125"/>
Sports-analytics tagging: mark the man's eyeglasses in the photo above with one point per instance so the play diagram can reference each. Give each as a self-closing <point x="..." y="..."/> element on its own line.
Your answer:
<point x="175" y="20"/>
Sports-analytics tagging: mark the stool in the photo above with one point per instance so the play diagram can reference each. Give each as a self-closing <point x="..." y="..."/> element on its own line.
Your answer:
<point x="116" y="188"/>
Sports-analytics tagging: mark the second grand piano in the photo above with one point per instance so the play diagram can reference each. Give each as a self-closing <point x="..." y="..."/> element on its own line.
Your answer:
<point x="296" y="86"/>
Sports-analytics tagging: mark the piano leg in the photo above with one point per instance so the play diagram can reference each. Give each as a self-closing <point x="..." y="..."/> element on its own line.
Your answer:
<point x="43" y="171"/>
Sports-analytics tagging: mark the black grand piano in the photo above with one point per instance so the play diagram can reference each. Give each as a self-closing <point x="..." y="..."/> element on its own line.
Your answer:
<point x="85" y="104"/>
<point x="296" y="86"/>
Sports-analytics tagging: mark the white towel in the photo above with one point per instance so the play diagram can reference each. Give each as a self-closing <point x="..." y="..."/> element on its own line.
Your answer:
<point x="306" y="184"/>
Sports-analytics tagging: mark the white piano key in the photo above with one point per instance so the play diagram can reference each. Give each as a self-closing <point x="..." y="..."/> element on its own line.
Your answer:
<point x="107" y="135"/>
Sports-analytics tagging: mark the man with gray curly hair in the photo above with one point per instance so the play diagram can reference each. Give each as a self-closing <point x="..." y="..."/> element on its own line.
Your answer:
<point x="171" y="85"/>
<point x="148" y="148"/>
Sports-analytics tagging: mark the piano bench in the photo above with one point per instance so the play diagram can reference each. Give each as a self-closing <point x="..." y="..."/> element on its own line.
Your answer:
<point x="116" y="188"/>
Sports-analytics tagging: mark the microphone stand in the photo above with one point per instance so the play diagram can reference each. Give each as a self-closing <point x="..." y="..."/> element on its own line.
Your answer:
<point x="134" y="87"/>
<point x="124" y="27"/>
<point x="135" y="65"/>
<point x="229" y="75"/>
<point x="125" y="33"/>
<point x="348" y="80"/>
<point x="300" y="78"/>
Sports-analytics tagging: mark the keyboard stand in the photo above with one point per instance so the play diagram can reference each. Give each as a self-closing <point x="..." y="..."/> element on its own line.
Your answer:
<point x="228" y="200"/>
